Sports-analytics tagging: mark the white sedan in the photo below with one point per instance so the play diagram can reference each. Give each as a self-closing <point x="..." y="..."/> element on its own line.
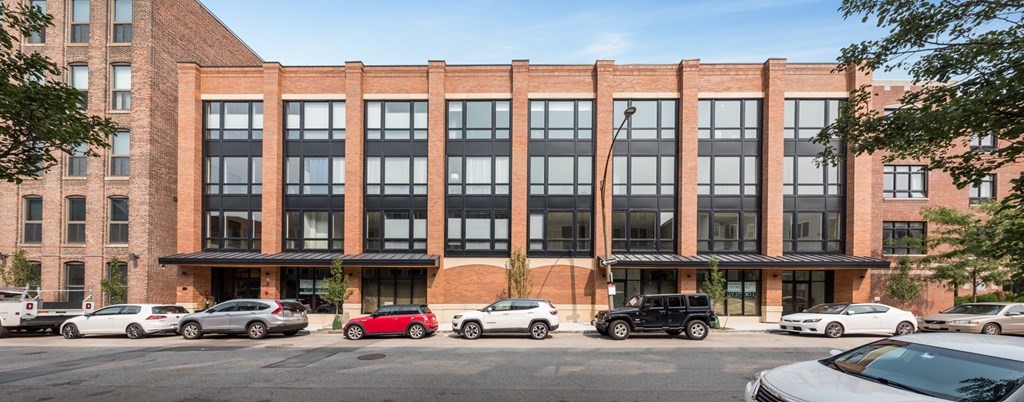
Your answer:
<point x="912" y="368"/>
<point x="134" y="320"/>
<point x="835" y="319"/>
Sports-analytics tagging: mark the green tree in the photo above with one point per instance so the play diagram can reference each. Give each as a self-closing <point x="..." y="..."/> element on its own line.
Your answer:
<point x="902" y="286"/>
<point x="520" y="283"/>
<point x="115" y="285"/>
<point x="40" y="115"/>
<point x="336" y="290"/>
<point x="963" y="251"/>
<point x="714" y="285"/>
<point x="19" y="272"/>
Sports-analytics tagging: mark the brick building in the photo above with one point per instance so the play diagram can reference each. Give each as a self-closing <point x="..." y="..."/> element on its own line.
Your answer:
<point x="78" y="215"/>
<point x="424" y="178"/>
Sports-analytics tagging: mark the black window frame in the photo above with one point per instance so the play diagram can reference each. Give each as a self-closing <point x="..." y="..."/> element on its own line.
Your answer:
<point x="79" y="31"/>
<point x="37" y="37"/>
<point x="301" y="144"/>
<point x="830" y="201"/>
<point x="75" y="84"/>
<point x="371" y="276"/>
<point x="120" y="98"/>
<point x="457" y="244"/>
<point x="120" y="164"/>
<point x="77" y="161"/>
<point x="379" y="242"/>
<point x="121" y="31"/>
<point x="335" y="241"/>
<point x="76" y="228"/>
<point x="984" y="142"/>
<point x="73" y="291"/>
<point x="291" y="285"/>
<point x="894" y="231"/>
<point x="722" y="307"/>
<point x="117" y="230"/>
<point x="245" y="143"/>
<point x="457" y="121"/>
<point x="332" y="131"/>
<point x="644" y="279"/>
<point x="581" y="246"/>
<point x="253" y="240"/>
<point x="892" y="174"/>
<point x="743" y="144"/>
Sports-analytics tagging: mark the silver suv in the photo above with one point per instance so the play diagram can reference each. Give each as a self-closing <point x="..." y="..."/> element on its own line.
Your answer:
<point x="254" y="317"/>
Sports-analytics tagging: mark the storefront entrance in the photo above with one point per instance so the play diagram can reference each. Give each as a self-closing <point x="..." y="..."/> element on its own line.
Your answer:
<point x="387" y="286"/>
<point x="633" y="282"/>
<point x="305" y="285"/>
<point x="234" y="283"/>
<point x="805" y="289"/>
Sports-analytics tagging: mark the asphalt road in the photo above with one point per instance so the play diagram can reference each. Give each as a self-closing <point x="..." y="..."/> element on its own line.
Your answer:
<point x="564" y="367"/>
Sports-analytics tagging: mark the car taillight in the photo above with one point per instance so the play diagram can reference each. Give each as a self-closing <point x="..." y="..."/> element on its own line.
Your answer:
<point x="553" y="312"/>
<point x="279" y="308"/>
<point x="29" y="306"/>
<point x="156" y="317"/>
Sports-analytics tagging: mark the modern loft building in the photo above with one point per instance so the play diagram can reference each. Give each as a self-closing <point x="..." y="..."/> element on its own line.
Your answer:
<point x="72" y="220"/>
<point x="424" y="178"/>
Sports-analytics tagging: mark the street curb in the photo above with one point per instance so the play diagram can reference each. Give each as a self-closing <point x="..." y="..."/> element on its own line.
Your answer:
<point x="572" y="331"/>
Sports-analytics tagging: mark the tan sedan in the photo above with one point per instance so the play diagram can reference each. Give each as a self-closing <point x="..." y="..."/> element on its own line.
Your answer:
<point x="985" y="318"/>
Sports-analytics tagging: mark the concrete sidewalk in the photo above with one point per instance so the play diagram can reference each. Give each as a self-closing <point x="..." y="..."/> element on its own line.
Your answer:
<point x="578" y="328"/>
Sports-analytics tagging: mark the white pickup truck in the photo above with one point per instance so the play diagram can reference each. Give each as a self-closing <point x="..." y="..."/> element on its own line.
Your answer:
<point x="24" y="309"/>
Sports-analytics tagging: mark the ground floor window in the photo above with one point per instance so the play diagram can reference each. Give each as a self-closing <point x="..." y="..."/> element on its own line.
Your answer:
<point x="74" y="282"/>
<point x="305" y="285"/>
<point x="742" y="292"/>
<point x="633" y="282"/>
<point x="388" y="286"/>
<point x="805" y="289"/>
<point x="234" y="283"/>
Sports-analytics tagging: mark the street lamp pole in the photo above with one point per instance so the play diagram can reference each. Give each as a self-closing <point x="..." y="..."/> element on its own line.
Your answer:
<point x="608" y="261"/>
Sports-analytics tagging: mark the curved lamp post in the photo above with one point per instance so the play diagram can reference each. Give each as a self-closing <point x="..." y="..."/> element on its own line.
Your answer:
<point x="608" y="261"/>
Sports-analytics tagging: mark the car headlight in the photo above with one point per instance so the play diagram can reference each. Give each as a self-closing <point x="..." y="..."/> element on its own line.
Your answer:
<point x="809" y="320"/>
<point x="757" y="376"/>
<point x="457" y="317"/>
<point x="964" y="322"/>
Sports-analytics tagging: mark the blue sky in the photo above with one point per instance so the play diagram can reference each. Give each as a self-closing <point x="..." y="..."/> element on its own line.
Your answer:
<point x="330" y="32"/>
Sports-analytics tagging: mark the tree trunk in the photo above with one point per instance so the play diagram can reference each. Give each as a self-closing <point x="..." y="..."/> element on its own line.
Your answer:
<point x="974" y="288"/>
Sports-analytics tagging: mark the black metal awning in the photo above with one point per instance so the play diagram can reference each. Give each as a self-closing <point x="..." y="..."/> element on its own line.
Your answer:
<point x="301" y="259"/>
<point x="748" y="260"/>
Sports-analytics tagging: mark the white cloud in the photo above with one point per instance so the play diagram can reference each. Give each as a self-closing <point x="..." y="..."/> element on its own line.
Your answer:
<point x="607" y="46"/>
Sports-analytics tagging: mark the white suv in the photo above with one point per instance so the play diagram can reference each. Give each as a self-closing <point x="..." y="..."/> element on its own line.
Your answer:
<point x="532" y="316"/>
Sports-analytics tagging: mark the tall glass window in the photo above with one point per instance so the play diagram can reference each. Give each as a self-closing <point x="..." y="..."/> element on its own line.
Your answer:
<point x="121" y="87"/>
<point x="76" y="220"/>
<point x="233" y="230"/>
<point x="78" y="161"/>
<point x="314" y="230"/>
<point x="905" y="181"/>
<point x="80" y="81"/>
<point x="118" y="221"/>
<point x="315" y="175"/>
<point x="120" y="154"/>
<point x="742" y="292"/>
<point x="37" y="36"/>
<point x="388" y="286"/>
<point x="122" y="21"/>
<point x="33" y="233"/>
<point x="395" y="200"/>
<point x="74" y="282"/>
<point x="728" y="175"/>
<point x="396" y="231"/>
<point x="317" y="121"/>
<point x="306" y="285"/>
<point x="635" y="282"/>
<point x="232" y="175"/>
<point x="79" y="21"/>
<point x="813" y="200"/>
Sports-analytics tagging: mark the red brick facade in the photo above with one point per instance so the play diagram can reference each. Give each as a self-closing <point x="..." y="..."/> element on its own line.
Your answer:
<point x="164" y="34"/>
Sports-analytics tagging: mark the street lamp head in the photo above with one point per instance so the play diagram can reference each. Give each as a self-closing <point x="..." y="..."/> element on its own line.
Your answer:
<point x="629" y="111"/>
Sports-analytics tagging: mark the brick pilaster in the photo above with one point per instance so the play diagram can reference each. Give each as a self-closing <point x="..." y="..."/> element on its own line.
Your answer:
<point x="772" y="155"/>
<point x="436" y="141"/>
<point x="190" y="160"/>
<point x="520" y="159"/>
<point x="859" y="187"/>
<point x="604" y="129"/>
<point x="689" y="86"/>
<point x="273" y="160"/>
<point x="354" y="157"/>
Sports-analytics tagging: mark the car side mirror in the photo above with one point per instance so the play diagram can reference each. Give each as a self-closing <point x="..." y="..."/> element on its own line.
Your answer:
<point x="489" y="309"/>
<point x="87" y="315"/>
<point x="835" y="352"/>
<point x="849" y="313"/>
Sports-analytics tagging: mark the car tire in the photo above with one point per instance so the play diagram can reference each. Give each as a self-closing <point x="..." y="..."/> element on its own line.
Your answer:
<point x="539" y="330"/>
<point x="618" y="330"/>
<point x="70" y="331"/>
<point x="416" y="331"/>
<point x="904" y="328"/>
<point x="696" y="330"/>
<point x="290" y="333"/>
<point x="4" y="332"/>
<point x="991" y="329"/>
<point x="256" y="330"/>
<point x="135" y="331"/>
<point x="191" y="331"/>
<point x="471" y="331"/>
<point x="354" y="332"/>
<point x="673" y="332"/>
<point x="834" y="330"/>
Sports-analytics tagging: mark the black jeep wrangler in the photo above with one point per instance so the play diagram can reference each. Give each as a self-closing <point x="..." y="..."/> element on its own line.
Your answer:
<point x="672" y="313"/>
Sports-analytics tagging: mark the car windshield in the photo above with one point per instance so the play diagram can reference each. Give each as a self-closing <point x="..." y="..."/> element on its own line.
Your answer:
<point x="827" y="309"/>
<point x="937" y="372"/>
<point x="635" y="301"/>
<point x="976" y="309"/>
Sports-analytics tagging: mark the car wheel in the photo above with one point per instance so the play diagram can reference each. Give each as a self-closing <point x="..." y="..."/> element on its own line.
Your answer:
<point x="904" y="328"/>
<point x="619" y="330"/>
<point x="416" y="331"/>
<point x="70" y="331"/>
<point x="697" y="330"/>
<point x="257" y="330"/>
<point x="290" y="333"/>
<point x="991" y="329"/>
<point x="354" y="332"/>
<point x="135" y="331"/>
<point x="191" y="331"/>
<point x="834" y="330"/>
<point x="673" y="332"/>
<point x="539" y="330"/>
<point x="471" y="331"/>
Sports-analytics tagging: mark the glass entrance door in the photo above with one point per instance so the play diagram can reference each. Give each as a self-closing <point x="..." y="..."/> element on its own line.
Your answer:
<point x="805" y="289"/>
<point x="235" y="283"/>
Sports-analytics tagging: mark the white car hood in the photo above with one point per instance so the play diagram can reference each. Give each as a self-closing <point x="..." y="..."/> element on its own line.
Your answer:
<point x="812" y="381"/>
<point x="805" y="316"/>
<point x="471" y="314"/>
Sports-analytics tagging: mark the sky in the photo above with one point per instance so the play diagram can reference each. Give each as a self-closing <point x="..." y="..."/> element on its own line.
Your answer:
<point x="406" y="32"/>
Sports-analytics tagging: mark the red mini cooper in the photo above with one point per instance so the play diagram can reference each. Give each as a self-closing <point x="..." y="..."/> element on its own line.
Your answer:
<point x="413" y="320"/>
